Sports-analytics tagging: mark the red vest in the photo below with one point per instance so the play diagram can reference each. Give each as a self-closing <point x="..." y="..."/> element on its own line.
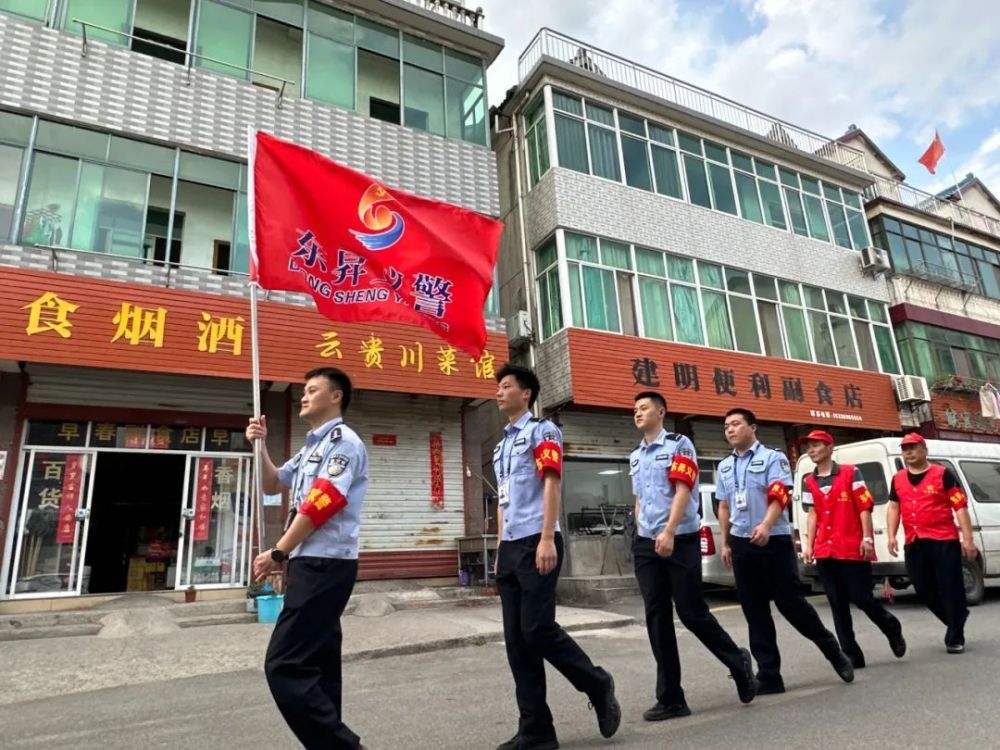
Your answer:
<point x="926" y="510"/>
<point x="838" y="515"/>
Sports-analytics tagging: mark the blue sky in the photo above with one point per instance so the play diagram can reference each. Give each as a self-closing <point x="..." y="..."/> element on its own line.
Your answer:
<point x="896" y="68"/>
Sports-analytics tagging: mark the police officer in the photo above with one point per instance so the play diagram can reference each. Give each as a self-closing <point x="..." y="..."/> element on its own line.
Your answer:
<point x="842" y="543"/>
<point x="925" y="496"/>
<point x="328" y="479"/>
<point x="753" y="492"/>
<point x="667" y="553"/>
<point x="528" y="466"/>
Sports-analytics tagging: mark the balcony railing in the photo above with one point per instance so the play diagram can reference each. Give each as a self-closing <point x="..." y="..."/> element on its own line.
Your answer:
<point x="455" y="11"/>
<point x="548" y="43"/>
<point x="945" y="276"/>
<point x="928" y="203"/>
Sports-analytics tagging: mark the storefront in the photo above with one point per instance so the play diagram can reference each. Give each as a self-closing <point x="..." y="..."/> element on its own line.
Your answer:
<point x="957" y="412"/>
<point x="126" y="466"/>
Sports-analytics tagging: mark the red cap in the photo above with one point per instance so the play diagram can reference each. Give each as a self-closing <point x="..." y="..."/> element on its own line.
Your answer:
<point x="912" y="438"/>
<point x="821" y="435"/>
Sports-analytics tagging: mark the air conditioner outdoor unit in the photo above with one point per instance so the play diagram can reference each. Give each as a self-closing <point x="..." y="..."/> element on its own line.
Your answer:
<point x="874" y="259"/>
<point x="911" y="389"/>
<point x="519" y="328"/>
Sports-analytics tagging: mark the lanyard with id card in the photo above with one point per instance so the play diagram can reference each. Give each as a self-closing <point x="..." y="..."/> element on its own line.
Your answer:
<point x="503" y="490"/>
<point x="741" y="489"/>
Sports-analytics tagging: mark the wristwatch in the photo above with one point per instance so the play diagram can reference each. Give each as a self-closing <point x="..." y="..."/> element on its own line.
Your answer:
<point x="277" y="555"/>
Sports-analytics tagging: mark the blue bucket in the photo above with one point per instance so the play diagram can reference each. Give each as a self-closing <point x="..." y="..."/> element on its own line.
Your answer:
<point x="269" y="607"/>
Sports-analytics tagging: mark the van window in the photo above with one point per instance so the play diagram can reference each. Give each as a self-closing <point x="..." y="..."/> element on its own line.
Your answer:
<point x="983" y="478"/>
<point x="874" y="476"/>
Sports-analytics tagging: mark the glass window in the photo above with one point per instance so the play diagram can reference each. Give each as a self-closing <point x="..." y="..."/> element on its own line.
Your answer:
<point x="330" y="23"/>
<point x="636" y="157"/>
<point x="615" y="254"/>
<point x="886" y="352"/>
<point x="545" y="255"/>
<point x="567" y="103"/>
<point x="680" y="269"/>
<point x="770" y="329"/>
<point x="666" y="171"/>
<point x="710" y="275"/>
<point x="810" y="185"/>
<point x="604" y="153"/>
<point x="838" y="221"/>
<point x="36" y="9"/>
<point x="571" y="144"/>
<point x="603" y="115"/>
<point x="746" y="188"/>
<point x="697" y="182"/>
<point x="277" y="51"/>
<point x="822" y="338"/>
<point x="464" y="67"/>
<point x="844" y="342"/>
<point x="631" y="124"/>
<point x="51" y="196"/>
<point x="581" y="247"/>
<point x="814" y="297"/>
<point x="722" y="188"/>
<point x="876" y="310"/>
<point x="378" y="86"/>
<point x="766" y="169"/>
<point x="716" y="152"/>
<point x="15" y="128"/>
<point x="745" y="325"/>
<point x="788" y="178"/>
<point x="289" y="11"/>
<point x="789" y="292"/>
<point x="649" y="261"/>
<point x="815" y="217"/>
<point x="655" y="307"/>
<point x="423" y="53"/>
<point x="717" y="320"/>
<point x="795" y="333"/>
<point x="626" y="305"/>
<point x="66" y="139"/>
<point x="687" y="316"/>
<point x="774" y="212"/>
<point x="859" y="229"/>
<point x="737" y="281"/>
<point x="576" y="295"/>
<point x="795" y="213"/>
<point x="866" y="346"/>
<point x="224" y="34"/>
<point x="377" y="38"/>
<point x="835" y="302"/>
<point x="110" y="208"/>
<point x="423" y="93"/>
<point x="206" y="234"/>
<point x="466" y="116"/>
<point x="330" y="72"/>
<point x="857" y="307"/>
<point x="741" y="160"/>
<point x="112" y="14"/>
<point x="10" y="178"/>
<point x="599" y="295"/>
<point x="984" y="480"/>
<point x="764" y="286"/>
<point x="144" y="156"/>
<point x="210" y="171"/>
<point x="661" y="134"/>
<point x="548" y="293"/>
<point x="689" y="143"/>
<point x="832" y="193"/>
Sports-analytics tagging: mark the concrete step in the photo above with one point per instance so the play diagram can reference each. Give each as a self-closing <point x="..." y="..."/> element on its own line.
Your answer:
<point x="213" y="607"/>
<point x="60" y="631"/>
<point x="202" y="621"/>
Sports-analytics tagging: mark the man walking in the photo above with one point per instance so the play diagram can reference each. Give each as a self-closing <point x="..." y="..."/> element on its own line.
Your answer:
<point x="842" y="543"/>
<point x="667" y="553"/>
<point x="753" y="493"/>
<point x="328" y="479"/>
<point x="528" y="466"/>
<point x="928" y="498"/>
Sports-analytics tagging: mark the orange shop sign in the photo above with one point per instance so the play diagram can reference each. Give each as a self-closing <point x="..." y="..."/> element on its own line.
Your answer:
<point x="608" y="370"/>
<point x="62" y="319"/>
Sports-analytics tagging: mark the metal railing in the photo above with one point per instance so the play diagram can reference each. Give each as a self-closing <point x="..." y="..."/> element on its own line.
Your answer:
<point x="548" y="43"/>
<point x="944" y="276"/>
<point x="911" y="197"/>
<point x="190" y="56"/>
<point x="452" y="10"/>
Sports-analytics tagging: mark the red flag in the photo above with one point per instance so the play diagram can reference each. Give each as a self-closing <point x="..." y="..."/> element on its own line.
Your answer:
<point x="933" y="154"/>
<point x="367" y="252"/>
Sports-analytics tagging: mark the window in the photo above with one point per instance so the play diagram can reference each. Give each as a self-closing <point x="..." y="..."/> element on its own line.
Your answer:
<point x="331" y="50"/>
<point x="549" y="308"/>
<point x="206" y="199"/>
<point x="536" y="136"/>
<point x="160" y="29"/>
<point x="224" y="33"/>
<point x="636" y="156"/>
<point x="111" y="14"/>
<point x="277" y="53"/>
<point x="588" y="493"/>
<point x="465" y="98"/>
<point x="874" y="477"/>
<point x="10" y="178"/>
<point x="378" y="71"/>
<point x="983" y="478"/>
<point x="36" y="9"/>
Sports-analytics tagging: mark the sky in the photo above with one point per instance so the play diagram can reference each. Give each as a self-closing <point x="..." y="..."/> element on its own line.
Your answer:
<point x="898" y="69"/>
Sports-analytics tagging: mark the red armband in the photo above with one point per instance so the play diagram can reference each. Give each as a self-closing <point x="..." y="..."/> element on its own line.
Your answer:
<point x="683" y="469"/>
<point x="778" y="493"/>
<point x="863" y="499"/>
<point x="323" y="502"/>
<point x="548" y="455"/>
<point x="957" y="498"/>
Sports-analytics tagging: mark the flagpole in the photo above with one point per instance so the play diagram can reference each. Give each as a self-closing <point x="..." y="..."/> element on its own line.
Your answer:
<point x="258" y="446"/>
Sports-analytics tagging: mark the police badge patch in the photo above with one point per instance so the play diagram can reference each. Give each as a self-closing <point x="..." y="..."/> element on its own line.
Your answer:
<point x="549" y="436"/>
<point x="785" y="466"/>
<point x="337" y="465"/>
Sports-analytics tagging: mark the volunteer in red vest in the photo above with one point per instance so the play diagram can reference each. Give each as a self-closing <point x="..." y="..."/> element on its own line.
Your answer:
<point x="928" y="498"/>
<point x="842" y="544"/>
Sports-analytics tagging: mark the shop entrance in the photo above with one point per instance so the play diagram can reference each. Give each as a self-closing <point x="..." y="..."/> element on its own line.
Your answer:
<point x="134" y="523"/>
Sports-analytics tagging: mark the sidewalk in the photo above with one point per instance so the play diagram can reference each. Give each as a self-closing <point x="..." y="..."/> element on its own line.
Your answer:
<point x="59" y="666"/>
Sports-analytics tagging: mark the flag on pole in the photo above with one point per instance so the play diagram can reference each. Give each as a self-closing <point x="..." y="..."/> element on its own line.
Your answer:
<point x="364" y="251"/>
<point x="933" y="154"/>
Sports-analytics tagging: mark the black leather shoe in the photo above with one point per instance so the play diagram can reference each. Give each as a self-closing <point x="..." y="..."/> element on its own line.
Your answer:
<point x="858" y="661"/>
<point x="746" y="685"/>
<point x="955" y="648"/>
<point x="898" y="645"/>
<point x="609" y="711"/>
<point x="842" y="664"/>
<point x="659" y="712"/>
<point x="770" y="688"/>
<point x="518" y="742"/>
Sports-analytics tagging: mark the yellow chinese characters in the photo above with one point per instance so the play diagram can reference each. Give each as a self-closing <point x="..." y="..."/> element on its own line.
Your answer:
<point x="372" y="349"/>
<point x="50" y="313"/>
<point x="413" y="356"/>
<point x="447" y="360"/>
<point x="330" y="346"/>
<point x="136" y="324"/>
<point x="220" y="334"/>
<point x="484" y="366"/>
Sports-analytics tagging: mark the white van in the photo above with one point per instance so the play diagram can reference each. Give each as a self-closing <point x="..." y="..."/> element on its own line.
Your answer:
<point x="977" y="466"/>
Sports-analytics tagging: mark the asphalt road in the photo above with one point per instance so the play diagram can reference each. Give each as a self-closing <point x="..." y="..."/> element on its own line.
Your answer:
<point x="463" y="698"/>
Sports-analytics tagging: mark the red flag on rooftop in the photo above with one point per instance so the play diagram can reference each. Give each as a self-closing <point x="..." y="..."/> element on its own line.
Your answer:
<point x="365" y="251"/>
<point x="933" y="154"/>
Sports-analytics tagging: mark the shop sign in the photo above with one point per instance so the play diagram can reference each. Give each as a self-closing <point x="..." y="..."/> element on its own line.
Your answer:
<point x="962" y="412"/>
<point x="203" y="499"/>
<point x="437" y="471"/>
<point x="72" y="481"/>
<point x="63" y="434"/>
<point x="384" y="440"/>
<point x="608" y="370"/>
<point x="62" y="319"/>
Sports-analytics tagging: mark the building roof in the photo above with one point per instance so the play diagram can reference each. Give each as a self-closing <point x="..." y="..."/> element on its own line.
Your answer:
<point x="969" y="182"/>
<point x="856" y="133"/>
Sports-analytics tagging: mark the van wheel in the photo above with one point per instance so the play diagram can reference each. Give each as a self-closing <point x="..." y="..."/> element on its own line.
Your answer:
<point x="975" y="586"/>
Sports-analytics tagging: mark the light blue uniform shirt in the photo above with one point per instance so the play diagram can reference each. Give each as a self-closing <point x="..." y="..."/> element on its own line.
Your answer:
<point x="752" y="473"/>
<point x="514" y="463"/>
<point x="649" y="466"/>
<point x="334" y="452"/>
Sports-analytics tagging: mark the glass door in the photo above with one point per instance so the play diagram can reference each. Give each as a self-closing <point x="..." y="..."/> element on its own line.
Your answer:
<point x="216" y="519"/>
<point x="52" y="523"/>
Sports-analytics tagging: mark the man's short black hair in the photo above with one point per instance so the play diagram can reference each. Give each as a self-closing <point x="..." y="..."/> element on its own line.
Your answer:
<point x="338" y="379"/>
<point x="747" y="415"/>
<point x="525" y="378"/>
<point x="656" y="398"/>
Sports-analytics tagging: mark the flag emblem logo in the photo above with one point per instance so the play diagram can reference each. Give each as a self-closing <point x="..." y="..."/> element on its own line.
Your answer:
<point x="387" y="225"/>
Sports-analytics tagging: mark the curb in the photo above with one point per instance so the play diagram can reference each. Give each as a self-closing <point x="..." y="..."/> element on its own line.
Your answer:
<point x="476" y="639"/>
